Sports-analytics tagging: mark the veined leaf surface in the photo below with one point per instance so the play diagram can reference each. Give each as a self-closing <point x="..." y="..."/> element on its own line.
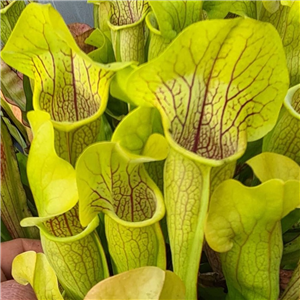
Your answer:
<point x="78" y="259"/>
<point x="128" y="11"/>
<point x="287" y="21"/>
<point x="134" y="247"/>
<point x="285" y="137"/>
<point x="101" y="15"/>
<point x="110" y="182"/>
<point x="253" y="242"/>
<point x="285" y="17"/>
<point x="111" y="176"/>
<point x="112" y="179"/>
<point x="127" y="29"/>
<point x="214" y="91"/>
<point x="173" y="16"/>
<point x="68" y="84"/>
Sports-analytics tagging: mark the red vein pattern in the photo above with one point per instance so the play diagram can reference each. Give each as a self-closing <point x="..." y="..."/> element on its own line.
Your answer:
<point x="215" y="90"/>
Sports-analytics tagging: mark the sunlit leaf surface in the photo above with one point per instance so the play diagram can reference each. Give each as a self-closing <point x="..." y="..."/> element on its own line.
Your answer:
<point x="33" y="268"/>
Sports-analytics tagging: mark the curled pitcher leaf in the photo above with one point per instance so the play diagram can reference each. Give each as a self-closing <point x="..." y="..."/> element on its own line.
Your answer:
<point x="73" y="90"/>
<point x="285" y="137"/>
<point x="286" y="20"/>
<point x="102" y="11"/>
<point x="108" y="194"/>
<point x="167" y="20"/>
<point x="33" y="268"/>
<point x="68" y="84"/>
<point x="120" y="11"/>
<point x="52" y="179"/>
<point x="75" y="253"/>
<point x="214" y="93"/>
<point x="121" y="162"/>
<point x="128" y="29"/>
<point x="216" y="9"/>
<point x="142" y="283"/>
<point x="268" y="165"/>
<point x="173" y="17"/>
<point x="104" y="52"/>
<point x="134" y="132"/>
<point x="69" y="247"/>
<point x="271" y="6"/>
<point x="285" y="17"/>
<point x="113" y="180"/>
<point x="254" y="9"/>
<point x="101" y="36"/>
<point x="253" y="242"/>
<point x="216" y="90"/>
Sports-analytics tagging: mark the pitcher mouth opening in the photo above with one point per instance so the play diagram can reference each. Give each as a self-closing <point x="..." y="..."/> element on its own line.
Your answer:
<point x="237" y="149"/>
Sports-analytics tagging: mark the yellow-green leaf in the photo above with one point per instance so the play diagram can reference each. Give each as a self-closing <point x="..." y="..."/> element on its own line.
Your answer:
<point x="219" y="85"/>
<point x="127" y="29"/>
<point x="286" y="20"/>
<point x="173" y="288"/>
<point x="68" y="84"/>
<point x="167" y="20"/>
<point x="110" y="181"/>
<point x="34" y="268"/>
<point x="78" y="260"/>
<point x="285" y="17"/>
<point x="269" y="165"/>
<point x="52" y="180"/>
<point x="285" y="137"/>
<point x="139" y="284"/>
<point x="214" y="91"/>
<point x="173" y="16"/>
<point x="250" y="241"/>
<point x="134" y="247"/>
<point x="135" y="130"/>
